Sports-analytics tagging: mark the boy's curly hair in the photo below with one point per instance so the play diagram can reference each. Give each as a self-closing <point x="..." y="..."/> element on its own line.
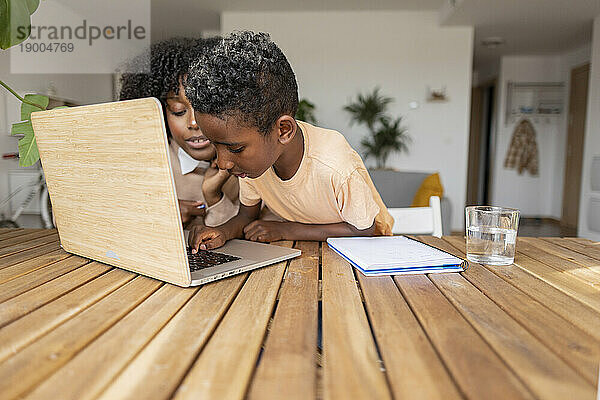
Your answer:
<point x="157" y="71"/>
<point x="244" y="75"/>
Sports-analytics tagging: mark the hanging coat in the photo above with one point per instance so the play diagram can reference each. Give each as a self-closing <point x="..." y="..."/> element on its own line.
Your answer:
<point x="523" y="153"/>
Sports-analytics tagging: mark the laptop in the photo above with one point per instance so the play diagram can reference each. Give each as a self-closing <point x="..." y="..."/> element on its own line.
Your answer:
<point x="113" y="195"/>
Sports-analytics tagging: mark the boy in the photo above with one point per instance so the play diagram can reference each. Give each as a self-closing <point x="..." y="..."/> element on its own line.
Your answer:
<point x="245" y="96"/>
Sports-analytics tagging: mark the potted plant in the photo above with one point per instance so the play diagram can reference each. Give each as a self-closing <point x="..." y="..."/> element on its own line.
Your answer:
<point x="18" y="14"/>
<point x="306" y="111"/>
<point x="387" y="135"/>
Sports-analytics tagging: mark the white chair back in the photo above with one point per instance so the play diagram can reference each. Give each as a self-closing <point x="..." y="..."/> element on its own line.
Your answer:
<point x="418" y="220"/>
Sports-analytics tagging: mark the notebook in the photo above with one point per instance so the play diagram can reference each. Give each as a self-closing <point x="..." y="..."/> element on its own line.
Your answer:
<point x="394" y="255"/>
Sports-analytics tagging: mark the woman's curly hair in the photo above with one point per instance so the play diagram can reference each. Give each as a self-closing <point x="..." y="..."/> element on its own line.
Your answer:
<point x="157" y="71"/>
<point x="244" y="75"/>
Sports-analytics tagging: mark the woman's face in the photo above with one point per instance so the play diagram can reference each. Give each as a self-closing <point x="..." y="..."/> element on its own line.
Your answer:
<point x="184" y="129"/>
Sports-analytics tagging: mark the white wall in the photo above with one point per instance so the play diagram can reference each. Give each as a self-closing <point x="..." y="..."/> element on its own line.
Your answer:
<point x="592" y="143"/>
<point x="534" y="195"/>
<point x="336" y="55"/>
<point x="83" y="88"/>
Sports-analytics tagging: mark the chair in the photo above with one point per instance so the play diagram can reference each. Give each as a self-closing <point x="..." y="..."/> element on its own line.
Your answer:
<point x="398" y="188"/>
<point x="418" y="220"/>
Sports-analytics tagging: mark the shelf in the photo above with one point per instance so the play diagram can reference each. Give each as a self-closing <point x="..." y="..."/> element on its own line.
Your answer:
<point x="534" y="100"/>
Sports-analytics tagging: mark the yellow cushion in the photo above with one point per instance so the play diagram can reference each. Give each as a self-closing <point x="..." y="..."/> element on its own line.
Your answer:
<point x="431" y="186"/>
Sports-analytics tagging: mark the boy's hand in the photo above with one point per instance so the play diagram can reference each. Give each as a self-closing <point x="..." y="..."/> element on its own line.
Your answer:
<point x="206" y="238"/>
<point x="190" y="209"/>
<point x="265" y="231"/>
<point x="212" y="186"/>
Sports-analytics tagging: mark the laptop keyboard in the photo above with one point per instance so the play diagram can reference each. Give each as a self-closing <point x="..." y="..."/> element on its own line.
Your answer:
<point x="205" y="259"/>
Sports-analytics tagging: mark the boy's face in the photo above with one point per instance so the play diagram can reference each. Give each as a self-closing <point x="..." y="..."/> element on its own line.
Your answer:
<point x="243" y="151"/>
<point x="184" y="128"/>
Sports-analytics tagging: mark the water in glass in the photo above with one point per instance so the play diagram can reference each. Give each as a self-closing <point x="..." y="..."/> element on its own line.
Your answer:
<point x="491" y="245"/>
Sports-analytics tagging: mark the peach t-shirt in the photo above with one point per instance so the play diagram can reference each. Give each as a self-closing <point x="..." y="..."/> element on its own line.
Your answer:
<point x="331" y="185"/>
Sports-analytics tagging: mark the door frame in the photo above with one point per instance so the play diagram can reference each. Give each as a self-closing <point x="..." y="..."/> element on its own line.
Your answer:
<point x="570" y="137"/>
<point x="482" y="128"/>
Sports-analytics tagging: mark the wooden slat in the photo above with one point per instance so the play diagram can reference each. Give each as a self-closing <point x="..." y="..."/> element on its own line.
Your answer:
<point x="583" y="248"/>
<point x="12" y="233"/>
<point x="162" y="364"/>
<point x="25" y="282"/>
<point x="224" y="368"/>
<point x="475" y="367"/>
<point x="584" y="260"/>
<point x="539" y="368"/>
<point x="96" y="365"/>
<point x="287" y="368"/>
<point x="350" y="361"/>
<point x="551" y="255"/>
<point x="25" y="267"/>
<point x="570" y="298"/>
<point x="34" y="363"/>
<point x="587" y="242"/>
<point x="414" y="369"/>
<point x="17" y="248"/>
<point x="584" y="241"/>
<point x="28" y="236"/>
<point x="578" y="349"/>
<point x="37" y="297"/>
<point x="27" y="255"/>
<point x="20" y="333"/>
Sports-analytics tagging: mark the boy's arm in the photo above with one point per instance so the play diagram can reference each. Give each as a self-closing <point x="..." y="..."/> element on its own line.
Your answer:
<point x="207" y="238"/>
<point x="269" y="231"/>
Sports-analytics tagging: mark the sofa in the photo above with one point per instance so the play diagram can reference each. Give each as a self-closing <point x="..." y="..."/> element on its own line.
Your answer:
<point x="398" y="188"/>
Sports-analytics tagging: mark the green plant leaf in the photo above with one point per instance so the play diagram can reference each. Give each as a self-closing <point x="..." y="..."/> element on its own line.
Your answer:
<point x="27" y="109"/>
<point x="305" y="111"/>
<point x="15" y="21"/>
<point x="388" y="136"/>
<point x="21" y="128"/>
<point x="32" y="5"/>
<point x="28" y="150"/>
<point x="368" y="108"/>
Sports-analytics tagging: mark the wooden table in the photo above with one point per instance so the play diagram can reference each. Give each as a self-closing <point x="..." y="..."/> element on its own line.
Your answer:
<point x="75" y="329"/>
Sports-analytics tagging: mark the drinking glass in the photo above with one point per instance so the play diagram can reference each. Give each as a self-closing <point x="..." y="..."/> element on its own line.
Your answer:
<point x="491" y="234"/>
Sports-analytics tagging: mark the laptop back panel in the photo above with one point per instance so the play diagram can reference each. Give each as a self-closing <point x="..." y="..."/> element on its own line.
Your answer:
<point x="108" y="173"/>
